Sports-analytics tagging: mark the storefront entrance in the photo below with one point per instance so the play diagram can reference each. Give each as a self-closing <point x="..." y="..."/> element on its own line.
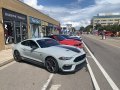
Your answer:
<point x="20" y="31"/>
<point x="35" y="29"/>
<point x="8" y="32"/>
<point x="15" y="26"/>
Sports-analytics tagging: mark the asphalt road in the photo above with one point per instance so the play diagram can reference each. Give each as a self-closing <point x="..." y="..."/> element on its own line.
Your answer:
<point x="109" y="57"/>
<point x="79" y="80"/>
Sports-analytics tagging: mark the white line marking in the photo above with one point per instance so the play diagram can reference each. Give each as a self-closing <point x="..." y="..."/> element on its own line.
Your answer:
<point x="48" y="82"/>
<point x="55" y="87"/>
<point x="92" y="76"/>
<point x="89" y="56"/>
<point x="108" y="78"/>
<point x="7" y="65"/>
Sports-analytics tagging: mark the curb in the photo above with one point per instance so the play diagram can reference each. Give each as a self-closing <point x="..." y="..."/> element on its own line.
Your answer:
<point x="6" y="62"/>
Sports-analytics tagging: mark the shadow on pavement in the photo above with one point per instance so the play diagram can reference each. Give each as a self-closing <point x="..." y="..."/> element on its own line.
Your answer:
<point x="41" y="65"/>
<point x="34" y="63"/>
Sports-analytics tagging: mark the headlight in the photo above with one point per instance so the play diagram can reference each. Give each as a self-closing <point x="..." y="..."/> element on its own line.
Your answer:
<point x="65" y="58"/>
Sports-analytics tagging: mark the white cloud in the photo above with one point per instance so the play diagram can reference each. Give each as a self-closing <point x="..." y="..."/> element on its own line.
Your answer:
<point x="107" y="1"/>
<point x="33" y="3"/>
<point x="77" y="16"/>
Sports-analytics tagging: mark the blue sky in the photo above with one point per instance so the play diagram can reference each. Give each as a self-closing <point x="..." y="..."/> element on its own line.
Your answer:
<point x="76" y="12"/>
<point x="67" y="3"/>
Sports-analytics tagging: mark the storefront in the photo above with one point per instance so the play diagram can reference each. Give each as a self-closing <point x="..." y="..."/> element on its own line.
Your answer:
<point x="19" y="21"/>
<point x="44" y="28"/>
<point x="57" y="29"/>
<point x="51" y="28"/>
<point x="35" y="28"/>
<point x="15" y="26"/>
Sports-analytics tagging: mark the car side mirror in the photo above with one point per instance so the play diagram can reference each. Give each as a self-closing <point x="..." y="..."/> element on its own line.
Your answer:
<point x="34" y="47"/>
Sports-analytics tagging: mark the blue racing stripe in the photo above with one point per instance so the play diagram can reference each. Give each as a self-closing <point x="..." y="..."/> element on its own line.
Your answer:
<point x="70" y="48"/>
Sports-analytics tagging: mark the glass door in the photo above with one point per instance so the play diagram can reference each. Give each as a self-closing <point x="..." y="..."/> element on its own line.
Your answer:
<point x="18" y="34"/>
<point x="24" y="31"/>
<point x="34" y="31"/>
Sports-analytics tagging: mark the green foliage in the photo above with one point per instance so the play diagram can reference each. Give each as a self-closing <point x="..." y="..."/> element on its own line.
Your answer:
<point x="99" y="27"/>
<point x="112" y="28"/>
<point x="88" y="28"/>
<point x="82" y="28"/>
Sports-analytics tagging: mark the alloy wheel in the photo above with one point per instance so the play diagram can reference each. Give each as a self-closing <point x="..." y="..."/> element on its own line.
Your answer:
<point x="51" y="65"/>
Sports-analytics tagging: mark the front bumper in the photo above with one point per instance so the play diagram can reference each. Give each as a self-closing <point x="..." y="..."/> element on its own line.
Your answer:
<point x="70" y="66"/>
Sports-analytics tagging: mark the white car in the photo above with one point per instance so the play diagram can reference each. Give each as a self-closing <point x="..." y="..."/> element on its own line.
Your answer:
<point x="48" y="51"/>
<point x="77" y="37"/>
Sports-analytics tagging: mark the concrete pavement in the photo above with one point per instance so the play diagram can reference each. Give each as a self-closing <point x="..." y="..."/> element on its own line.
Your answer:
<point x="6" y="57"/>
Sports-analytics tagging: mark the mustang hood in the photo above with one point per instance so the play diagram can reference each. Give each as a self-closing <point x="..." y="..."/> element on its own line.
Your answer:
<point x="63" y="50"/>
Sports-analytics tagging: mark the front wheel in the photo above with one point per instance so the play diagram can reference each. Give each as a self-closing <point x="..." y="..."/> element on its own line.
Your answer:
<point x="17" y="56"/>
<point x="51" y="65"/>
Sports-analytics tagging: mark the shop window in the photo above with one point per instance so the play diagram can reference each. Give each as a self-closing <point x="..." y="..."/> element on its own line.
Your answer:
<point x="18" y="31"/>
<point x="8" y="32"/>
<point x="35" y="31"/>
<point x="24" y="31"/>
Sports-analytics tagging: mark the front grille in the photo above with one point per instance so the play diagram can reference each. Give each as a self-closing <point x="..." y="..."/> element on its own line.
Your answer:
<point x="80" y="58"/>
<point x="67" y="67"/>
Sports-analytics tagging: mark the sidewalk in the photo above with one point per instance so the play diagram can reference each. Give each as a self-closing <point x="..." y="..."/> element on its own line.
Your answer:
<point x="114" y="41"/>
<point x="6" y="57"/>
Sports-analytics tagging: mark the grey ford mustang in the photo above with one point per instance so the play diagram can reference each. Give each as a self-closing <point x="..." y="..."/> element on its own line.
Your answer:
<point x="48" y="51"/>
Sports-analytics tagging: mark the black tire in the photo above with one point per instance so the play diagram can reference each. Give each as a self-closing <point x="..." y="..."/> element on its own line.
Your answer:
<point x="17" y="56"/>
<point x="51" y="65"/>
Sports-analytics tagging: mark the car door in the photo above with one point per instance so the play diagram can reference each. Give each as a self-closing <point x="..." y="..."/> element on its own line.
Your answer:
<point x="25" y="47"/>
<point x="35" y="53"/>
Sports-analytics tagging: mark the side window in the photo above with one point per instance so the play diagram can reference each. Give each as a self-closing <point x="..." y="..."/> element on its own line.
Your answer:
<point x="25" y="43"/>
<point x="33" y="44"/>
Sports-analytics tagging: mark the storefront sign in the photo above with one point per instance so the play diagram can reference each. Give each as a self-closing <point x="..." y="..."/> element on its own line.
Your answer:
<point x="35" y="21"/>
<point x="11" y="15"/>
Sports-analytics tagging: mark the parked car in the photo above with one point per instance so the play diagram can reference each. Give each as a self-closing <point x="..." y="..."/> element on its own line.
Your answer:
<point x="108" y="33"/>
<point x="65" y="41"/>
<point x="79" y="38"/>
<point x="53" y="55"/>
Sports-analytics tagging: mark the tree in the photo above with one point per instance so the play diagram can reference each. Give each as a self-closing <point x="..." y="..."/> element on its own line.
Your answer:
<point x="88" y="28"/>
<point x="81" y="28"/>
<point x="98" y="27"/>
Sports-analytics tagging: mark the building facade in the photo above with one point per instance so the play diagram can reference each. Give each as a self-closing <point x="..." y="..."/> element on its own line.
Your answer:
<point x="19" y="21"/>
<point x="106" y="19"/>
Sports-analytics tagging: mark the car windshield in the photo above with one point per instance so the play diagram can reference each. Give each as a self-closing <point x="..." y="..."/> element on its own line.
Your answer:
<point x="44" y="43"/>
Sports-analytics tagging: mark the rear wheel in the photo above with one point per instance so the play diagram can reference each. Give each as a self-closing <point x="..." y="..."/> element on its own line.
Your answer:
<point x="17" y="56"/>
<point x="51" y="65"/>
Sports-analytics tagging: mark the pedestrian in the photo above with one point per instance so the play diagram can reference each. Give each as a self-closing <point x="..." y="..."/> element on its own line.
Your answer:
<point x="103" y="35"/>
